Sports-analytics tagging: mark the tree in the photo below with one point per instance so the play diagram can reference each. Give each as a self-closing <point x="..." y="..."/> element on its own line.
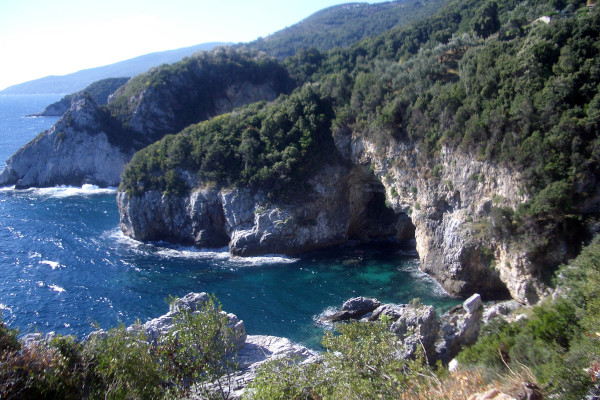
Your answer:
<point x="486" y="22"/>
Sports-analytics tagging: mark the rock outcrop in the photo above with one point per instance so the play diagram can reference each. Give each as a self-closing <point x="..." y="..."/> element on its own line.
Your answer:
<point x="249" y="351"/>
<point x="77" y="150"/>
<point x="345" y="203"/>
<point x="259" y="349"/>
<point x="192" y="303"/>
<point x="354" y="308"/>
<point x="92" y="144"/>
<point x="450" y="199"/>
<point x="418" y="327"/>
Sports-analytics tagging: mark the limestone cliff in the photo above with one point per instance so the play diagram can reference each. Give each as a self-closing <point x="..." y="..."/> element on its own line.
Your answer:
<point x="75" y="151"/>
<point x="450" y="205"/>
<point x="373" y="192"/>
<point x="345" y="203"/>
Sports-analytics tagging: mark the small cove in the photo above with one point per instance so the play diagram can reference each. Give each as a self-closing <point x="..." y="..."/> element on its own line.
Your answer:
<point x="65" y="264"/>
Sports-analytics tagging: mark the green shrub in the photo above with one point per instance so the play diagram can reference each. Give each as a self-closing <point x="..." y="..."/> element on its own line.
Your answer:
<point x="196" y="350"/>
<point x="559" y="342"/>
<point x="123" y="366"/>
<point x="361" y="362"/>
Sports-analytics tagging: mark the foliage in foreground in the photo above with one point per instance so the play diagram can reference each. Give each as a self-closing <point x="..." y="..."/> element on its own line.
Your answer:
<point x="559" y="342"/>
<point x="359" y="363"/>
<point x="121" y="363"/>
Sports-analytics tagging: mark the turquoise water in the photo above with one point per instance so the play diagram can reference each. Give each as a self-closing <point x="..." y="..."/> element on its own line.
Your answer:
<point x="64" y="263"/>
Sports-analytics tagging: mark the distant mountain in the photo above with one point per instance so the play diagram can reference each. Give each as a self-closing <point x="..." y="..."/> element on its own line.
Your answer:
<point x="342" y="25"/>
<point x="77" y="81"/>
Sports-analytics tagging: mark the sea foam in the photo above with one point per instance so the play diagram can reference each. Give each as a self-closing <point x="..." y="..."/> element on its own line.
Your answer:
<point x="63" y="191"/>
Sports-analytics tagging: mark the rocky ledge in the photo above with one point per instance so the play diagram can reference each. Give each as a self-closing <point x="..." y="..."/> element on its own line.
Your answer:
<point x="345" y="203"/>
<point x="418" y="327"/>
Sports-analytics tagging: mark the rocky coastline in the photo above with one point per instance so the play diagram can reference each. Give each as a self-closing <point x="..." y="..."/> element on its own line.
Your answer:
<point x="360" y="196"/>
<point x="420" y="330"/>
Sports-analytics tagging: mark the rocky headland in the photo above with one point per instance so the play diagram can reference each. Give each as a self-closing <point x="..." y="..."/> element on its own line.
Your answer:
<point x="99" y="91"/>
<point x="91" y="144"/>
<point x="363" y="195"/>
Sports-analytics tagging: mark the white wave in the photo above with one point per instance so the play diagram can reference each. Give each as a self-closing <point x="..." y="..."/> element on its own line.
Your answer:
<point x="56" y="288"/>
<point x="52" y="264"/>
<point x="266" y="259"/>
<point x="419" y="276"/>
<point x="320" y="319"/>
<point x="193" y="253"/>
<point x="63" y="191"/>
<point x="4" y="307"/>
<point x="165" y="250"/>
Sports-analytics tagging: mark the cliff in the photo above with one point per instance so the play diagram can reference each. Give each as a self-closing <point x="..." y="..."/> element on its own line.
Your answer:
<point x="78" y="149"/>
<point x="450" y="207"/>
<point x="92" y="144"/>
<point x="345" y="203"/>
<point x="363" y="196"/>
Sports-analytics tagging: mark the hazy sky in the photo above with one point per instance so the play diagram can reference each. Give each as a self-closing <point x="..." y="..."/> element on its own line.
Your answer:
<point x="56" y="37"/>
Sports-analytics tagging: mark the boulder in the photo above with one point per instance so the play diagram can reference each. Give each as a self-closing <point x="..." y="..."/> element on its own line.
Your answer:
<point x="192" y="302"/>
<point x="354" y="308"/>
<point x="473" y="303"/>
<point x="502" y="309"/>
<point x="417" y="327"/>
<point x="459" y="329"/>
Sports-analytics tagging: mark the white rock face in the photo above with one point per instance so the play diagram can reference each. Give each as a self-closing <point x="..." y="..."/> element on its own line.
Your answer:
<point x="450" y="207"/>
<point x="75" y="151"/>
<point x="251" y="225"/>
<point x="260" y="349"/>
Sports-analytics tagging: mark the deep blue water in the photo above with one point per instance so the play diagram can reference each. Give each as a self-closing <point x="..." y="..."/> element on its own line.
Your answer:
<point x="64" y="263"/>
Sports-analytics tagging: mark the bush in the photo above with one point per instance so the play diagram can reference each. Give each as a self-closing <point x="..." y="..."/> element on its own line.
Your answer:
<point x="360" y="362"/>
<point x="196" y="352"/>
<point x="559" y="342"/>
<point x="121" y="363"/>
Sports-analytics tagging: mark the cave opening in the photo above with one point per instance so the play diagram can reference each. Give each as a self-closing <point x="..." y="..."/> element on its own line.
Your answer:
<point x="371" y="218"/>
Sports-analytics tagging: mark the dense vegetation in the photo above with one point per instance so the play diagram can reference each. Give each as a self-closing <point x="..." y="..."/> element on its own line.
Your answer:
<point x="485" y="78"/>
<point x="559" y="342"/>
<point x="343" y="25"/>
<point x="526" y="97"/>
<point x="122" y="363"/>
<point x="267" y="146"/>
<point x="189" y="91"/>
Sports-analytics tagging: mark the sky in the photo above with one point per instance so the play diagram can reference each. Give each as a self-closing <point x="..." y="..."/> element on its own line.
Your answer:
<point x="57" y="37"/>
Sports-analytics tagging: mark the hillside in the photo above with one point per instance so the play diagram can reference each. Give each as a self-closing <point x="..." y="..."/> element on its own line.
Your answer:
<point x="340" y="26"/>
<point x="99" y="91"/>
<point x="77" y="81"/>
<point x="473" y="132"/>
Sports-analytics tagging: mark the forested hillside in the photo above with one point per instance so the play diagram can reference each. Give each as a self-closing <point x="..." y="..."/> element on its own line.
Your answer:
<point x="343" y="25"/>
<point x="479" y="126"/>
<point x="486" y="79"/>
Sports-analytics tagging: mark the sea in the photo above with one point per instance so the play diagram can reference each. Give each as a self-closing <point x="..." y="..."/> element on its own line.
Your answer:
<point x="66" y="267"/>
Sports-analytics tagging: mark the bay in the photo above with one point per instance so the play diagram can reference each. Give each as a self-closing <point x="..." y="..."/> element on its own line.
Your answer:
<point x="64" y="264"/>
